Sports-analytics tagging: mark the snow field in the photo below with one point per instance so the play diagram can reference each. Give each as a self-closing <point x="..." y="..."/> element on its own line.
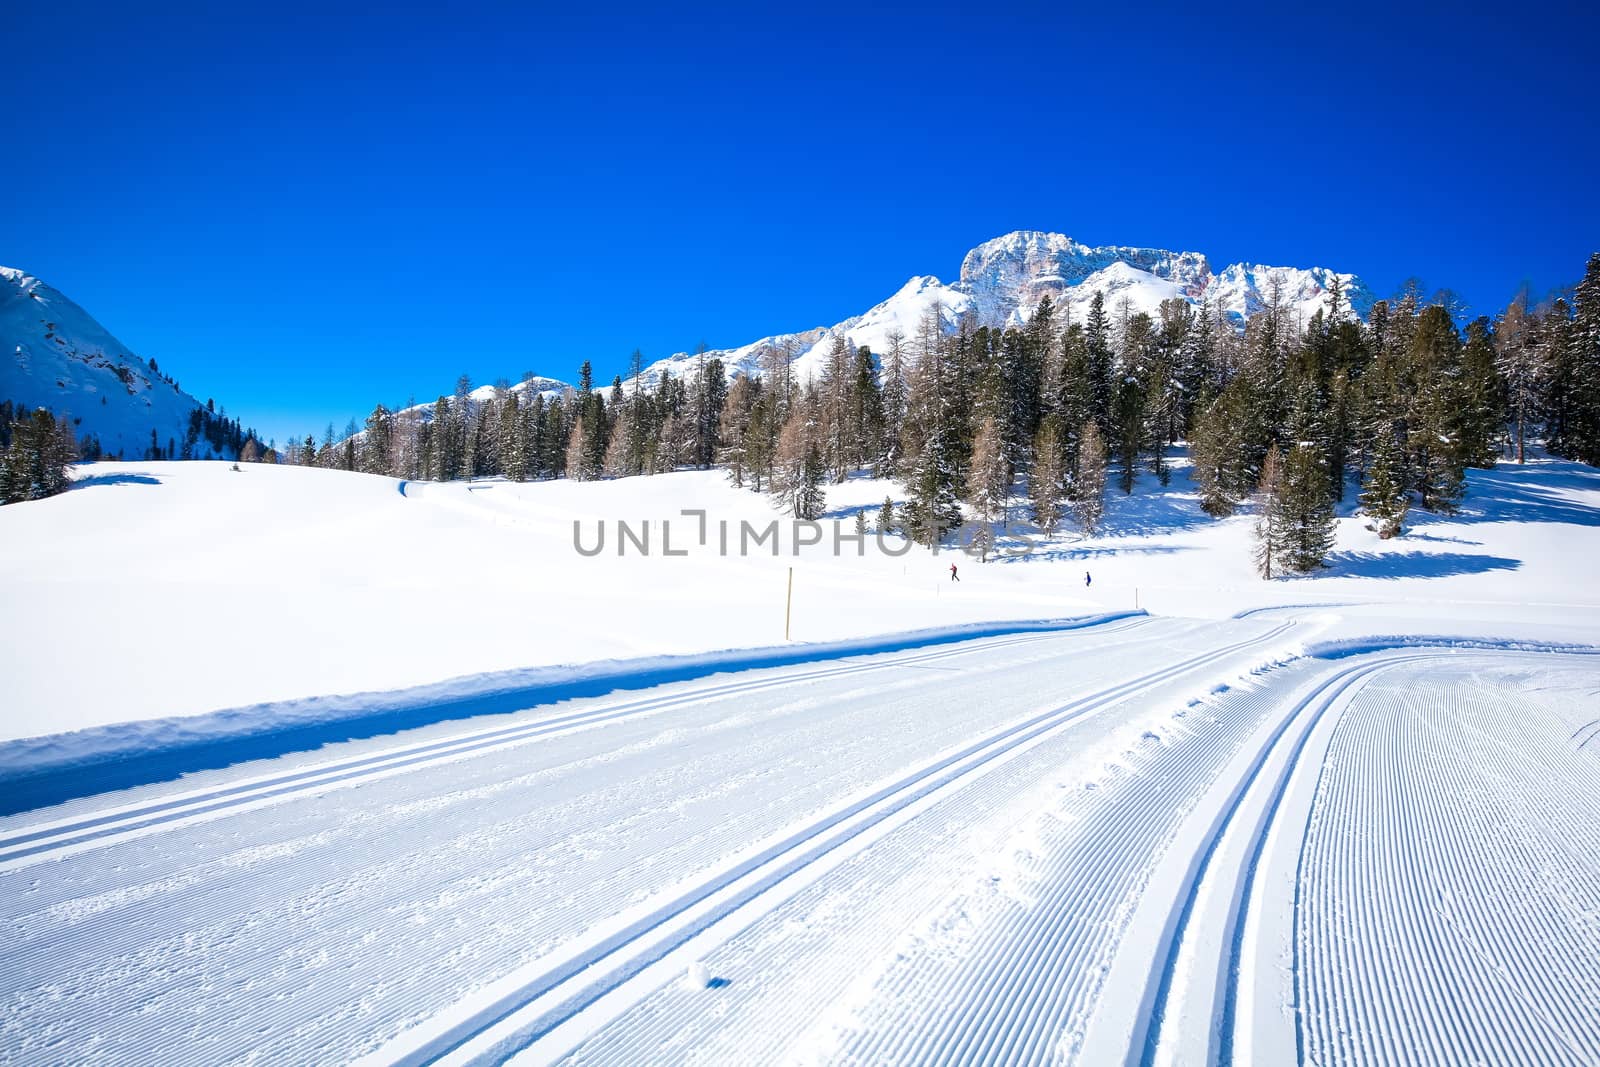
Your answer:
<point x="339" y="917"/>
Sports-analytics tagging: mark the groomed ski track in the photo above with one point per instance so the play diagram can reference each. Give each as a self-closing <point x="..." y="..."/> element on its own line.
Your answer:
<point x="1148" y="841"/>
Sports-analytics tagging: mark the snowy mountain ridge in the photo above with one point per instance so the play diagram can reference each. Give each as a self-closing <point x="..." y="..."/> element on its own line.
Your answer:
<point x="54" y="354"/>
<point x="1002" y="281"/>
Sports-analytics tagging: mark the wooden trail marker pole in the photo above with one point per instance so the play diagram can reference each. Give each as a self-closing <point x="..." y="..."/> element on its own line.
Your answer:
<point x="788" y="604"/>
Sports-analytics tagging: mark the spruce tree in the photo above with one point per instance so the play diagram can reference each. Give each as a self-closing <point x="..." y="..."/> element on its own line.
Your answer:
<point x="1307" y="523"/>
<point x="1098" y="356"/>
<point x="886" y="516"/>
<point x="932" y="508"/>
<point x="894" y="405"/>
<point x="1434" y="414"/>
<point x="1560" y="387"/>
<point x="379" y="441"/>
<point x="1584" y="342"/>
<point x="810" y="500"/>
<point x="734" y="427"/>
<point x="865" y="422"/>
<point x="37" y="462"/>
<point x="1384" y="499"/>
<point x="761" y="438"/>
<point x="1517" y="362"/>
<point x="1482" y="397"/>
<point x="1221" y="469"/>
<point x="443" y="440"/>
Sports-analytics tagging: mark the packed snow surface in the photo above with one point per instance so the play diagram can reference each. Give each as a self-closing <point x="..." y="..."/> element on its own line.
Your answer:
<point x="540" y="809"/>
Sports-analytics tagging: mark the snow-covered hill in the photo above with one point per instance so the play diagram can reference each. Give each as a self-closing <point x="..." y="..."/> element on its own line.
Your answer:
<point x="1002" y="281"/>
<point x="54" y="354"/>
<point x="414" y="582"/>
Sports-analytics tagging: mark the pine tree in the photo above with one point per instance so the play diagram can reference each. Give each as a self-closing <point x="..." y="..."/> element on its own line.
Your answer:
<point x="1098" y="356"/>
<point x="1074" y="399"/>
<point x="1433" y="422"/>
<point x="834" y="391"/>
<point x="1552" y="343"/>
<point x="443" y="439"/>
<point x="894" y="405"/>
<point x="1517" y="363"/>
<point x="376" y="458"/>
<point x="37" y="460"/>
<point x="710" y="394"/>
<point x="1089" y="481"/>
<point x="865" y="437"/>
<point x="1218" y="450"/>
<point x="809" y="501"/>
<point x="1584" y="341"/>
<point x="1383" y="493"/>
<point x="1306" y="518"/>
<point x="932" y="509"/>
<point x="1482" y="397"/>
<point x="1268" y="528"/>
<point x="886" y="516"/>
<point x="761" y="438"/>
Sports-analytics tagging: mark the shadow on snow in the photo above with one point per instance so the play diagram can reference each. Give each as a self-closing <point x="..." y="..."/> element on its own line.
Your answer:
<point x="115" y="479"/>
<point x="1397" y="565"/>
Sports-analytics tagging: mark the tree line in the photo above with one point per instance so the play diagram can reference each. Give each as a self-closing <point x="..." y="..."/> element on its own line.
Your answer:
<point x="1050" y="416"/>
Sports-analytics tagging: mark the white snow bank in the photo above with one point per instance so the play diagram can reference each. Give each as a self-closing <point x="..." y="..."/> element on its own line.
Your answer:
<point x="160" y="747"/>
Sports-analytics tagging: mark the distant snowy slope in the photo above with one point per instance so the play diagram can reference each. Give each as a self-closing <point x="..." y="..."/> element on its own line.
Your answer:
<point x="54" y="354"/>
<point x="1002" y="282"/>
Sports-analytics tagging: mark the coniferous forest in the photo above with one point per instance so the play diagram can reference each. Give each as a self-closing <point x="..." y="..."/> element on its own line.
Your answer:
<point x="1289" y="417"/>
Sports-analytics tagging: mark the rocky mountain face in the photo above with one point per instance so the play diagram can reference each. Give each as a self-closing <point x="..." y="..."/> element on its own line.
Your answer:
<point x="53" y="354"/>
<point x="1002" y="281"/>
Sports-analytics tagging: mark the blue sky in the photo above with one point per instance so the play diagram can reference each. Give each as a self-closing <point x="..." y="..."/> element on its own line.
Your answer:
<point x="301" y="212"/>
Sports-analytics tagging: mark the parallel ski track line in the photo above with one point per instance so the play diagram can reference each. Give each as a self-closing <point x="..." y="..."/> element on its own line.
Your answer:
<point x="1530" y="973"/>
<point x="211" y="911"/>
<point x="1008" y="994"/>
<point x="1033" y="975"/>
<point x="1290" y="736"/>
<point x="518" y="1018"/>
<point x="35" y="844"/>
<point x="1592" y="729"/>
<point x="1292" y="731"/>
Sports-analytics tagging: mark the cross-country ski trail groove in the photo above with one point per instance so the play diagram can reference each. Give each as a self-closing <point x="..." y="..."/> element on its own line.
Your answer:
<point x="49" y="840"/>
<point x="1239" y="900"/>
<point x="967" y="975"/>
<point x="525" y="1007"/>
<point x="1448" y="903"/>
<point x="297" y="933"/>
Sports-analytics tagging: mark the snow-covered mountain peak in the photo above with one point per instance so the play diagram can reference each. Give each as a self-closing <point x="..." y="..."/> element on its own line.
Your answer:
<point x="54" y="354"/>
<point x="1003" y="280"/>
